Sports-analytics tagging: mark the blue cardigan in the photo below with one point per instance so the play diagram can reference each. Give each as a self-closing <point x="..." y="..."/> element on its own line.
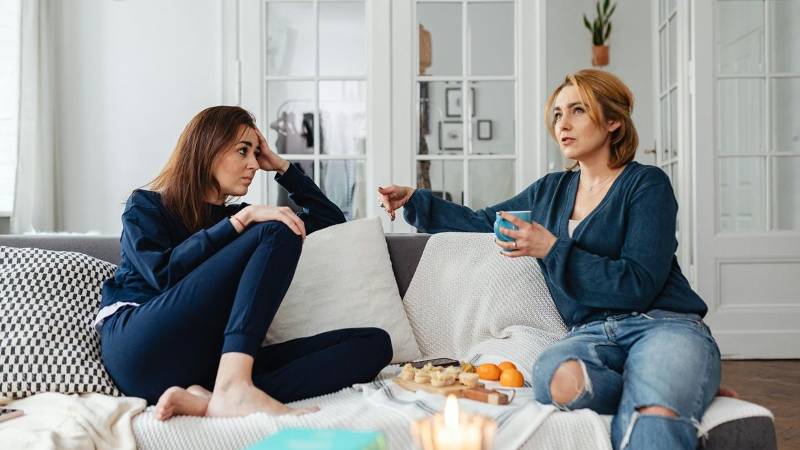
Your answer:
<point x="157" y="251"/>
<point x="621" y="257"/>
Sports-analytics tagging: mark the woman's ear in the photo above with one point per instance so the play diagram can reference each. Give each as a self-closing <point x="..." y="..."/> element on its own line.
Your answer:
<point x="613" y="125"/>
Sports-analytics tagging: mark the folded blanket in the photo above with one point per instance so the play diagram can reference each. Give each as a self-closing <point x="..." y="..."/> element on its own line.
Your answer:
<point x="59" y="421"/>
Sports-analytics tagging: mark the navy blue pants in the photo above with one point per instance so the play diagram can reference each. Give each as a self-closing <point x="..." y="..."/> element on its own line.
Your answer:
<point x="226" y="304"/>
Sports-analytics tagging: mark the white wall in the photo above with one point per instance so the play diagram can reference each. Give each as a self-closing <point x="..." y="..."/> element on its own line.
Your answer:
<point x="569" y="48"/>
<point x="131" y="74"/>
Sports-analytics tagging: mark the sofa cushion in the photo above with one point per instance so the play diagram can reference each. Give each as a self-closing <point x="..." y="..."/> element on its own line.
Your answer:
<point x="48" y="300"/>
<point x="344" y="279"/>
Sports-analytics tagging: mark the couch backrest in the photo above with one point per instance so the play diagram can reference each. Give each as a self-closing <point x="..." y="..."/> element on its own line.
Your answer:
<point x="405" y="250"/>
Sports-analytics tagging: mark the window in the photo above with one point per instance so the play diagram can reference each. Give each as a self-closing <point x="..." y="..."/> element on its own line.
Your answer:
<point x="758" y="137"/>
<point x="9" y="107"/>
<point x="315" y="95"/>
<point x="345" y="94"/>
<point x="466" y="100"/>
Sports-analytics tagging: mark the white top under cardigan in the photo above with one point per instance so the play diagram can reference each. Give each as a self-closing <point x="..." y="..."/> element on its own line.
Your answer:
<point x="572" y="225"/>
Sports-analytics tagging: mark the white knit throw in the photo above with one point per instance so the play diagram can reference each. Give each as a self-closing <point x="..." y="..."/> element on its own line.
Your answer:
<point x="466" y="299"/>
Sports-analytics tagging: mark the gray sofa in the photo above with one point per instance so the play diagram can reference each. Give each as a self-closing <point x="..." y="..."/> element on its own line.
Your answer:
<point x="405" y="251"/>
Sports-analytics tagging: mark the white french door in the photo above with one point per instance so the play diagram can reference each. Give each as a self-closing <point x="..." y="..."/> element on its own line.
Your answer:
<point x="316" y="75"/>
<point x="746" y="165"/>
<point x="341" y="90"/>
<point x="468" y="85"/>
<point x="672" y="62"/>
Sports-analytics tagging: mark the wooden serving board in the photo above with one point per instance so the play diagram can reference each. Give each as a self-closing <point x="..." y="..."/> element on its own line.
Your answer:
<point x="455" y="389"/>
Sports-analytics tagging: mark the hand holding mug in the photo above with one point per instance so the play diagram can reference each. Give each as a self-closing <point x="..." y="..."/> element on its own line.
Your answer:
<point x="528" y="239"/>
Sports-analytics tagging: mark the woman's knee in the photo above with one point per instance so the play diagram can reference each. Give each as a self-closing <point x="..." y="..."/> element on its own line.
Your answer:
<point x="276" y="231"/>
<point x="373" y="345"/>
<point x="381" y="344"/>
<point x="657" y="411"/>
<point x="558" y="378"/>
<point x="275" y="227"/>
<point x="567" y="383"/>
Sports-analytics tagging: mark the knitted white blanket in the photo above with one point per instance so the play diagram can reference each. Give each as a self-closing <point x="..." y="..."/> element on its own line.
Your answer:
<point x="350" y="409"/>
<point x="465" y="301"/>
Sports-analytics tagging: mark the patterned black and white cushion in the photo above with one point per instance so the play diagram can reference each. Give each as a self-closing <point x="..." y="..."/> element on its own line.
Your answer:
<point x="48" y="300"/>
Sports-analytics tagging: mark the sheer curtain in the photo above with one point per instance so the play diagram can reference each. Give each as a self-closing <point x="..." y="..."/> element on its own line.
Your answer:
<point x="34" y="193"/>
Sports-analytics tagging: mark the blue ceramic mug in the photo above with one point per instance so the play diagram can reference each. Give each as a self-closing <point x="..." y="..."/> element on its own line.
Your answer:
<point x="500" y="222"/>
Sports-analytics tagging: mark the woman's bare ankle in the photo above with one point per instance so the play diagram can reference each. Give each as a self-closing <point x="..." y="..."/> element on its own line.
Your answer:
<point x="231" y="386"/>
<point x="243" y="400"/>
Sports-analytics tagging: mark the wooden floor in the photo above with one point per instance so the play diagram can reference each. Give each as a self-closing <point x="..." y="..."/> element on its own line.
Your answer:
<point x="774" y="385"/>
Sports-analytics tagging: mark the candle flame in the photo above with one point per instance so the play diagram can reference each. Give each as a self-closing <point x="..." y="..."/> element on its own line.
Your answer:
<point x="451" y="413"/>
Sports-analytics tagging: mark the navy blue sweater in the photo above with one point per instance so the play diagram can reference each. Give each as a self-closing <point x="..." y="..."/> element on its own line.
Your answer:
<point x="621" y="257"/>
<point x="157" y="250"/>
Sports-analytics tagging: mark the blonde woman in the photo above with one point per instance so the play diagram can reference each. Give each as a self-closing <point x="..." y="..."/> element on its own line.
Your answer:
<point x="604" y="236"/>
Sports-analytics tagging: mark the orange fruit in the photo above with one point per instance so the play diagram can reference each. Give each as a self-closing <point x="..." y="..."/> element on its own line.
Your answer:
<point x="488" y="372"/>
<point x="512" y="378"/>
<point x="507" y="365"/>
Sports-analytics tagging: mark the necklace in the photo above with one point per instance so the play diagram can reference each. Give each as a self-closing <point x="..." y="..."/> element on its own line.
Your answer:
<point x="600" y="183"/>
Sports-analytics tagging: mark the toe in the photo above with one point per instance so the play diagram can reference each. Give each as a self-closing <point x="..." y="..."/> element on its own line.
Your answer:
<point x="303" y="411"/>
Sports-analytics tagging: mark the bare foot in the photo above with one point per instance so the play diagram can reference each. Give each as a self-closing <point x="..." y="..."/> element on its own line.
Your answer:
<point x="241" y="400"/>
<point x="177" y="401"/>
<point x="199" y="391"/>
<point x="727" y="392"/>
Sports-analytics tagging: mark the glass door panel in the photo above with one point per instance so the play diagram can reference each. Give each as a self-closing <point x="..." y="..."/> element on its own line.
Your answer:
<point x="446" y="178"/>
<point x="343" y="117"/>
<point x="740" y="41"/>
<point x="741" y="116"/>
<point x="491" y="182"/>
<point x="290" y="115"/>
<point x="343" y="181"/>
<point x="786" y="193"/>
<point x="492" y="118"/>
<point x="491" y="38"/>
<point x="741" y="187"/>
<point x="290" y="35"/>
<point x="342" y="39"/>
<point x="784" y="39"/>
<point x="443" y="21"/>
<point x="785" y="114"/>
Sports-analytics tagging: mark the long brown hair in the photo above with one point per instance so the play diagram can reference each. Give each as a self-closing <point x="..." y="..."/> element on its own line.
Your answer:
<point x="186" y="178"/>
<point x="607" y="98"/>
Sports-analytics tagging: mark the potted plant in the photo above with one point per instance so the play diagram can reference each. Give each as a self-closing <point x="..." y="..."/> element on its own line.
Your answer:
<point x="600" y="29"/>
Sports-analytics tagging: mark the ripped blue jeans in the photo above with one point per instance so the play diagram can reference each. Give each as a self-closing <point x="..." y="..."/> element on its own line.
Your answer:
<point x="636" y="360"/>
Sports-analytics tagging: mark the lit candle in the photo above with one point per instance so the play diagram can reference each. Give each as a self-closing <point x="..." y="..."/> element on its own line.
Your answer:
<point x="454" y="430"/>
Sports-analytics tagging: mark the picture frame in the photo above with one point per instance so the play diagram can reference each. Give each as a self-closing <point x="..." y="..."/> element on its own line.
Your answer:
<point x="450" y="135"/>
<point x="484" y="129"/>
<point x="453" y="104"/>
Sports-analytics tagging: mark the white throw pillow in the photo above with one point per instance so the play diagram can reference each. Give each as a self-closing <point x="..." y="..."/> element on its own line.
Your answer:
<point x="344" y="280"/>
<point x="48" y="300"/>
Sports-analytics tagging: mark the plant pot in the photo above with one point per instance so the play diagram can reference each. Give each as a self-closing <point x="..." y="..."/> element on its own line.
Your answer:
<point x="600" y="55"/>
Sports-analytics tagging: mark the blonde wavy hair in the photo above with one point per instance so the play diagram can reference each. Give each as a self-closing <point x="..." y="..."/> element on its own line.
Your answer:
<point x="606" y="97"/>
